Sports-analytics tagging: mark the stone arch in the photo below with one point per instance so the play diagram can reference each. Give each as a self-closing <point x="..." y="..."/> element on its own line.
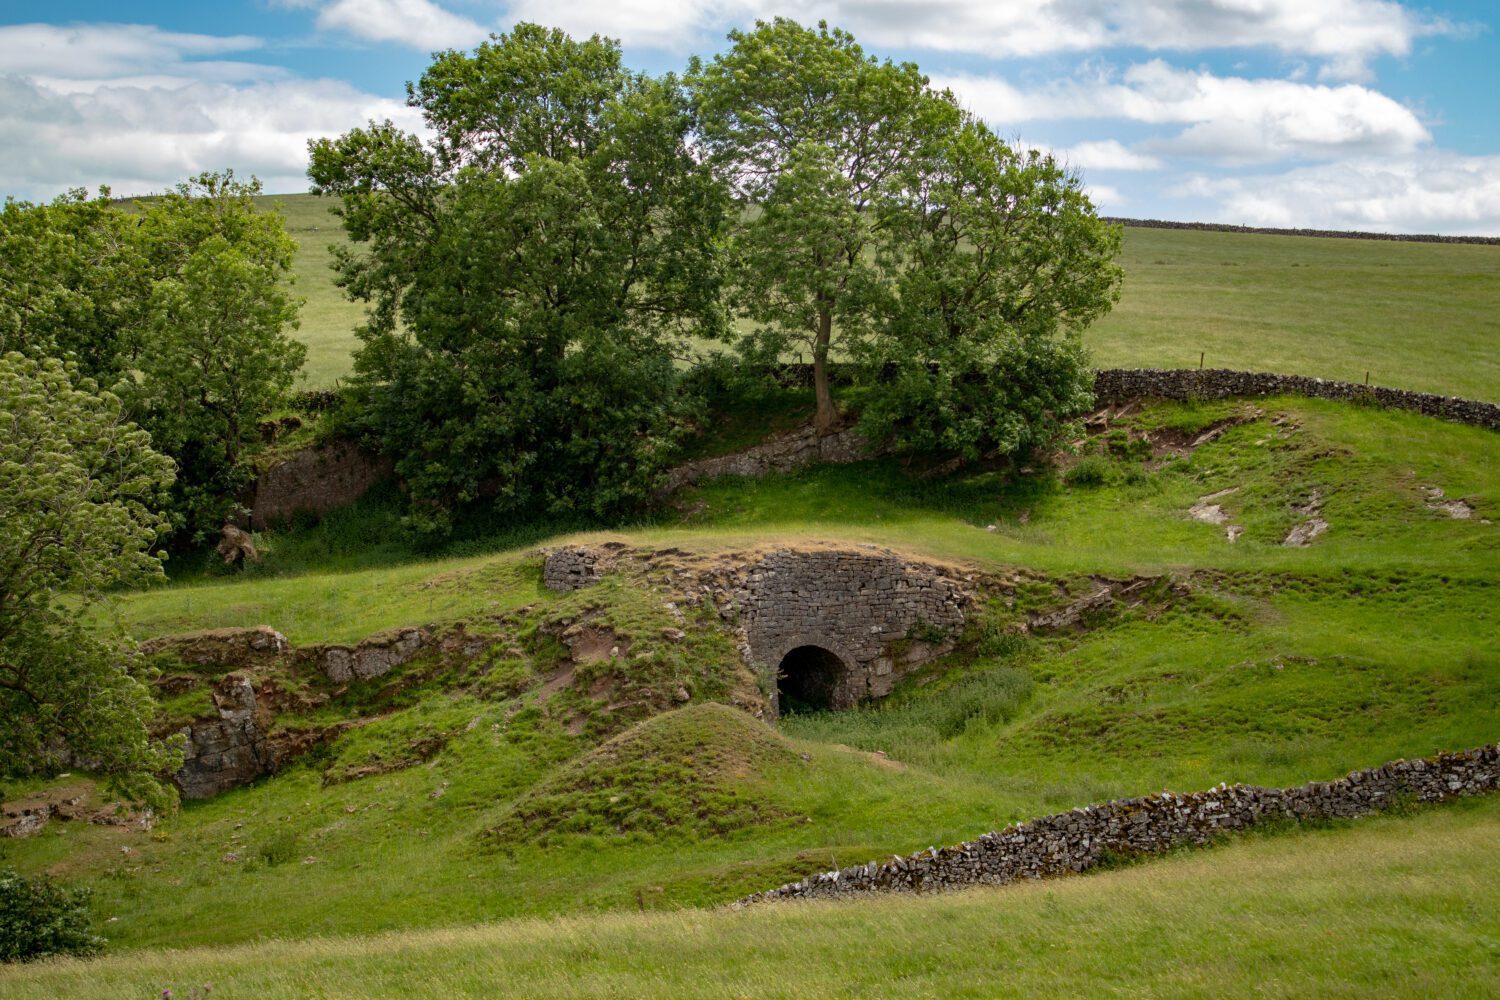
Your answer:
<point x="814" y="673"/>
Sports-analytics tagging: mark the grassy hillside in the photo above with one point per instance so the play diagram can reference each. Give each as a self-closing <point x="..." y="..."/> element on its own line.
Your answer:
<point x="1413" y="315"/>
<point x="1390" y="906"/>
<point x="491" y="791"/>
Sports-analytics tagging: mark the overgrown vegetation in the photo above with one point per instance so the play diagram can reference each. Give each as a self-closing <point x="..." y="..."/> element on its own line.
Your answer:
<point x="41" y="919"/>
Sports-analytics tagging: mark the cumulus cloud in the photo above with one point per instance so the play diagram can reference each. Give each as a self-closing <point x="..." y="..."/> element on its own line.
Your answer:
<point x="418" y="23"/>
<point x="1432" y="191"/>
<point x="1344" y="34"/>
<point x="1228" y="119"/>
<point x="1107" y="154"/>
<point x="143" y="138"/>
<point x="115" y="51"/>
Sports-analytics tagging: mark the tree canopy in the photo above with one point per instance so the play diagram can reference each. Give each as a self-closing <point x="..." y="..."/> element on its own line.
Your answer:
<point x="79" y="485"/>
<point x="533" y="273"/>
<point x="882" y="221"/>
<point x="180" y="303"/>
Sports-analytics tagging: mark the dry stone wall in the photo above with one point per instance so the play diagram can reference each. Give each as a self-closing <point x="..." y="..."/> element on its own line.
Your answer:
<point x="1342" y="234"/>
<point x="784" y="453"/>
<point x="1114" y="385"/>
<point x="1078" y="840"/>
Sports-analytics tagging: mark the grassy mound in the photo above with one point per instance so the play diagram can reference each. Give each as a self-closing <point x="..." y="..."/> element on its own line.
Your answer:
<point x="697" y="772"/>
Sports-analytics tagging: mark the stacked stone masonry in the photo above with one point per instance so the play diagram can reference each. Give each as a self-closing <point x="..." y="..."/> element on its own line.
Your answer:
<point x="1115" y="385"/>
<point x="880" y="615"/>
<point x="1078" y="840"/>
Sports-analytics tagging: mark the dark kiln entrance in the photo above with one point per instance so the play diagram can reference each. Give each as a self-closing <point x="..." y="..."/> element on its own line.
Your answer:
<point x="808" y="680"/>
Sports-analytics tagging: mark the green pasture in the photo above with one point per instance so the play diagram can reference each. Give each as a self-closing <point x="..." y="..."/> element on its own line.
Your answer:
<point x="1402" y="907"/>
<point x="1411" y="315"/>
<point x="1249" y="661"/>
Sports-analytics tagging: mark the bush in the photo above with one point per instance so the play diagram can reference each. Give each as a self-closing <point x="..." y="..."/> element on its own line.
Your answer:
<point x="1091" y="470"/>
<point x="38" y="918"/>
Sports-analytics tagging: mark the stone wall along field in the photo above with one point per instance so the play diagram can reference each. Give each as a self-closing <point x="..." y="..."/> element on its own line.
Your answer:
<point x="1078" y="840"/>
<point x="1115" y="385"/>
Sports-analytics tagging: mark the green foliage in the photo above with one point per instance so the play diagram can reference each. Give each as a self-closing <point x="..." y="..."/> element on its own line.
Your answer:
<point x="1001" y="262"/>
<point x="215" y="357"/>
<point x="179" y="302"/>
<point x="815" y="135"/>
<point x="279" y="849"/>
<point x="78" y="483"/>
<point x="1089" y="471"/>
<point x="73" y="281"/>
<point x="532" y="275"/>
<point x="40" y="918"/>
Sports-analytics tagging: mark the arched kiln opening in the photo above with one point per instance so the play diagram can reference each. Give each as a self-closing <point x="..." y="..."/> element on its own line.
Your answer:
<point x="808" y="680"/>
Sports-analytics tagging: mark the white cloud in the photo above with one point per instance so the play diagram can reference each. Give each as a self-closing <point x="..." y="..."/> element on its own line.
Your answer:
<point x="1229" y="119"/>
<point x="418" y="23"/>
<point x="1107" y="154"/>
<point x="142" y="139"/>
<point x="1345" y="34"/>
<point x="106" y="51"/>
<point x="1433" y="191"/>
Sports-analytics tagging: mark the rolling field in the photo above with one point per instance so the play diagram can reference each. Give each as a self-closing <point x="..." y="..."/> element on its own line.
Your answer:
<point x="1254" y="662"/>
<point x="1413" y="315"/>
<point x="1391" y="907"/>
<point x="527" y="822"/>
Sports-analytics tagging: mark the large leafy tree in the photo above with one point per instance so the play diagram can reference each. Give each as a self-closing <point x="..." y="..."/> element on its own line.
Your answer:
<point x="215" y="354"/>
<point x="998" y="262"/>
<point x="78" y="486"/>
<point x="180" y="302"/>
<point x="814" y="137"/>
<point x="72" y="281"/>
<point x="532" y="271"/>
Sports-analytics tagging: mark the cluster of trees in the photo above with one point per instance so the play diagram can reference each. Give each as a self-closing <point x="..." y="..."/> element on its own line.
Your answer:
<point x="140" y="346"/>
<point x="539" y="270"/>
<point x="178" y="304"/>
<point x="572" y="231"/>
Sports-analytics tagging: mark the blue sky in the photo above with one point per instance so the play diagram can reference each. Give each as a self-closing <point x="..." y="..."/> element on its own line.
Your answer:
<point x="1360" y="114"/>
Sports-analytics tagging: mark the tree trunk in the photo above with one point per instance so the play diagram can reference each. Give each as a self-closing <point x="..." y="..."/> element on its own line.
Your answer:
<point x="826" y="416"/>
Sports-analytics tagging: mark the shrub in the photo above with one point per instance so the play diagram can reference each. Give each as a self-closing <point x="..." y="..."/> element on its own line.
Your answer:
<point x="39" y="917"/>
<point x="280" y="849"/>
<point x="1091" y="471"/>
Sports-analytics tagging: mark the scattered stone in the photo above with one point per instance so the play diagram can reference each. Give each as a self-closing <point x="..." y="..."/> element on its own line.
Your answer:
<point x="673" y="634"/>
<point x="235" y="544"/>
<point x="1207" y="511"/>
<point x="1304" y="533"/>
<point x="1233" y="533"/>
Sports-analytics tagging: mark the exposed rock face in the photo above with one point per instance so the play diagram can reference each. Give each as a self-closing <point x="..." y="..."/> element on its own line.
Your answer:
<point x="373" y="657"/>
<point x="30" y="815"/>
<point x="315" y="480"/>
<point x="228" y="751"/>
<point x="221" y="647"/>
<point x="1077" y="840"/>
